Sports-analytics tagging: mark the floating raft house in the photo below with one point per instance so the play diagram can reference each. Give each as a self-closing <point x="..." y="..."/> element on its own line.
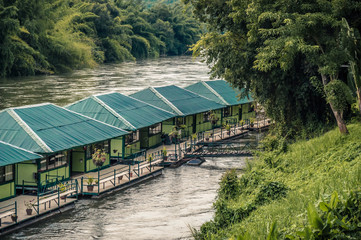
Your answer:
<point x="66" y="140"/>
<point x="9" y="157"/>
<point x="222" y="92"/>
<point x="143" y="119"/>
<point x="192" y="110"/>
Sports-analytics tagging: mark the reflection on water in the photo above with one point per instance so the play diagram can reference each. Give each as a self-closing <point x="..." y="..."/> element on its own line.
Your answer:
<point x="125" y="78"/>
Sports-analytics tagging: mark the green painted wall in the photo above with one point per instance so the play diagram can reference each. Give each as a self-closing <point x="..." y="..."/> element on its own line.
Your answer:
<point x="77" y="162"/>
<point x="25" y="171"/>
<point x="54" y="174"/>
<point x="116" y="147"/>
<point x="90" y="166"/>
<point x="203" y="126"/>
<point x="131" y="149"/>
<point x="167" y="126"/>
<point x="7" y="190"/>
<point x="234" y="118"/>
<point x="155" y="140"/>
<point x="245" y="114"/>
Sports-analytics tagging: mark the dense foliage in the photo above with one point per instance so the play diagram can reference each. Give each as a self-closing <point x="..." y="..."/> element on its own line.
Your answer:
<point x="46" y="36"/>
<point x="286" y="53"/>
<point x="289" y="193"/>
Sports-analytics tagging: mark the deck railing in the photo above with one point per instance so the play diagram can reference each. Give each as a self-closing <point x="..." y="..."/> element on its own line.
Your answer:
<point x="62" y="191"/>
<point x="9" y="210"/>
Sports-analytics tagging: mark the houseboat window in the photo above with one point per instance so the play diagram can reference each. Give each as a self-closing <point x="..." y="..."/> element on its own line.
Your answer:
<point x="155" y="129"/>
<point x="54" y="161"/>
<point x="227" y="112"/>
<point x="206" y="117"/>
<point x="181" y="121"/>
<point x="132" y="137"/>
<point x="102" y="145"/>
<point x="6" y="173"/>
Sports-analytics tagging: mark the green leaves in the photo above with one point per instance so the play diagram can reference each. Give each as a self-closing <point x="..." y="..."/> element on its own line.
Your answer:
<point x="338" y="94"/>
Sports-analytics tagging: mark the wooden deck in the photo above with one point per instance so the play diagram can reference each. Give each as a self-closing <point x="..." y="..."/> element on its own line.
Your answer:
<point x="189" y="147"/>
<point x="116" y="177"/>
<point x="7" y="225"/>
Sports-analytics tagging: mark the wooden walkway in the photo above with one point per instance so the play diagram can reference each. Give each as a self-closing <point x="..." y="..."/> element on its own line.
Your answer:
<point x="117" y="177"/>
<point x="189" y="148"/>
<point x="23" y="218"/>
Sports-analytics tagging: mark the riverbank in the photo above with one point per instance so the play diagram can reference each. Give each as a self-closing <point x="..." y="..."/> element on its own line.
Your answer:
<point x="278" y="186"/>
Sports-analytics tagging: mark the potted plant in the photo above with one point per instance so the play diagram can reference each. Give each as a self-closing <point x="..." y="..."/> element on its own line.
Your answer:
<point x="213" y="118"/>
<point x="62" y="188"/>
<point x="242" y="122"/>
<point x="228" y="128"/>
<point x="90" y="185"/>
<point x="29" y="206"/>
<point x="14" y="217"/>
<point x="99" y="157"/>
<point x="251" y="122"/>
<point x="207" y="134"/>
<point x="194" y="136"/>
<point x="174" y="135"/>
<point x="164" y="154"/>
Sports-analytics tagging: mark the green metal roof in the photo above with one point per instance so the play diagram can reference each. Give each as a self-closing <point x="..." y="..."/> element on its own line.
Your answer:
<point x="47" y="128"/>
<point x="10" y="154"/>
<point x="120" y="111"/>
<point x="177" y="100"/>
<point x="219" y="91"/>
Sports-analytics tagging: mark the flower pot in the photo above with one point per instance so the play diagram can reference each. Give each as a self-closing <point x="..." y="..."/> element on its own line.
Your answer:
<point x="165" y="158"/>
<point x="207" y="139"/>
<point x="14" y="218"/>
<point x="90" y="188"/>
<point x="29" y="211"/>
<point x="63" y="197"/>
<point x="120" y="177"/>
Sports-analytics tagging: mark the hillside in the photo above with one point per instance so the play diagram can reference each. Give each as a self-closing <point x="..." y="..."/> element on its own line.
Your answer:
<point x="290" y="193"/>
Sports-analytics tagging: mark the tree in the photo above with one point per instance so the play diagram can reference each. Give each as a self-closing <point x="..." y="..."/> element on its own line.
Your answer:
<point x="273" y="47"/>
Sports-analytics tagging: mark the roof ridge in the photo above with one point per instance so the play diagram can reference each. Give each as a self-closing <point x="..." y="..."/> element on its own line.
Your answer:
<point x="93" y="119"/>
<point x="149" y="104"/>
<point x="112" y="111"/>
<point x="29" y="131"/>
<point x="166" y="101"/>
<point x="214" y="92"/>
<point x="22" y="149"/>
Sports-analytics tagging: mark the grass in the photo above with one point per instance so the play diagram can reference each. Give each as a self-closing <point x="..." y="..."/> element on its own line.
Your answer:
<point x="310" y="171"/>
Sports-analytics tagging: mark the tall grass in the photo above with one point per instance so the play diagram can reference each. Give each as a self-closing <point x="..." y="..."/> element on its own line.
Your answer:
<point x="310" y="170"/>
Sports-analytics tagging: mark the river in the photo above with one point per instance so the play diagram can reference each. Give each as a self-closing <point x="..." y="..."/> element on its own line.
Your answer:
<point x="125" y="78"/>
<point x="162" y="208"/>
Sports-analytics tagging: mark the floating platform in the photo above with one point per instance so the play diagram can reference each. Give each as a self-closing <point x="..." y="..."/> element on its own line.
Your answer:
<point x="196" y="161"/>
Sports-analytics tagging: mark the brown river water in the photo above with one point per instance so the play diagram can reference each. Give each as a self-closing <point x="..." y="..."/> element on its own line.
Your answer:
<point x="162" y="208"/>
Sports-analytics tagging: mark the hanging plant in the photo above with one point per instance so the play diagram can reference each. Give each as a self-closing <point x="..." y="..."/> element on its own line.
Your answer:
<point x="99" y="157"/>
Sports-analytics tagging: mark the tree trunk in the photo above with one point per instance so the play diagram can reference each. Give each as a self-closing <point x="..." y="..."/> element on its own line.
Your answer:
<point x="338" y="114"/>
<point x="358" y="91"/>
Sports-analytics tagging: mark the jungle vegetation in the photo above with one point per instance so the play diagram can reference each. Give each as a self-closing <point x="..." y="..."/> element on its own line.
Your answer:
<point x="300" y="59"/>
<point x="52" y="36"/>
<point x="302" y="191"/>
